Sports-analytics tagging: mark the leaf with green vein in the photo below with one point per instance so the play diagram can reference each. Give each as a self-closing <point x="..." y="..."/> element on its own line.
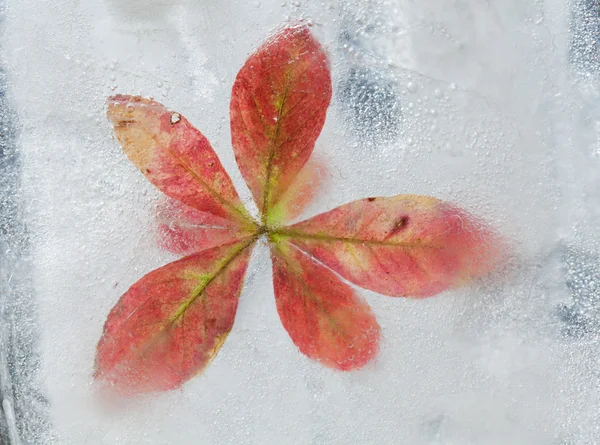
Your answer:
<point x="405" y="245"/>
<point x="170" y="324"/>
<point x="278" y="106"/>
<point x="325" y="318"/>
<point x="174" y="156"/>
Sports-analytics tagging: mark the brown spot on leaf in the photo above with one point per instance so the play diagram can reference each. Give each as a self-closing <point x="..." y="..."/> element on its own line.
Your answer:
<point x="399" y="225"/>
<point x="124" y="123"/>
<point x="371" y="199"/>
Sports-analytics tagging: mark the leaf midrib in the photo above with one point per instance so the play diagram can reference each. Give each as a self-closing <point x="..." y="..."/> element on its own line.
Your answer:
<point x="273" y="145"/>
<point x="283" y="232"/>
<point x="197" y="292"/>
<point x="272" y="148"/>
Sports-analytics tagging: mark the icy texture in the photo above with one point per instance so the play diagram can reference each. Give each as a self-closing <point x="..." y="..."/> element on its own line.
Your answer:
<point x="22" y="407"/>
<point x="487" y="104"/>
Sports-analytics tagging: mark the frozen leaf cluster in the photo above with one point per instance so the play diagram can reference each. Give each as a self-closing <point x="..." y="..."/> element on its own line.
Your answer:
<point x="170" y="324"/>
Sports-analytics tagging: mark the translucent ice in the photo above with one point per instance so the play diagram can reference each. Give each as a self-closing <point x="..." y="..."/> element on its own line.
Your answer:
<point x="492" y="105"/>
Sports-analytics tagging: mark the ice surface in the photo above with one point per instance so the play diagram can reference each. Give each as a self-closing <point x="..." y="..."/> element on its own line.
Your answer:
<point x="489" y="104"/>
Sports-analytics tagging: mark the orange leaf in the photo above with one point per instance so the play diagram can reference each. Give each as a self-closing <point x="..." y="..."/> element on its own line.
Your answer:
<point x="184" y="230"/>
<point x="278" y="107"/>
<point x="174" y="156"/>
<point x="170" y="324"/>
<point x="325" y="318"/>
<point x="405" y="245"/>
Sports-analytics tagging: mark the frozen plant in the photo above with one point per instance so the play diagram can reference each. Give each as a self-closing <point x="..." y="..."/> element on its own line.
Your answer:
<point x="170" y="324"/>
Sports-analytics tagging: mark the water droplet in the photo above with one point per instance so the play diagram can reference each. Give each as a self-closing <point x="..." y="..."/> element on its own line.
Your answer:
<point x="175" y="117"/>
<point x="159" y="84"/>
<point x="130" y="108"/>
<point x="438" y="93"/>
<point x="412" y="87"/>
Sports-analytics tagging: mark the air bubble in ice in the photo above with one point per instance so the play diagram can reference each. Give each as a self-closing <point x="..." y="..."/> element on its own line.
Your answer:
<point x="370" y="102"/>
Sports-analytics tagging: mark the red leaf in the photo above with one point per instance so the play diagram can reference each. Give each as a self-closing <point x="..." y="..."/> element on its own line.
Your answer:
<point x="326" y="320"/>
<point x="174" y="156"/>
<point x="184" y="230"/>
<point x="278" y="107"/>
<point x="170" y="324"/>
<point x="404" y="245"/>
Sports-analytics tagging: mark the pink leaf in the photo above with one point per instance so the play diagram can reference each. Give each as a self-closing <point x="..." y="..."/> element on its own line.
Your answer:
<point x="325" y="318"/>
<point x="278" y="107"/>
<point x="405" y="245"/>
